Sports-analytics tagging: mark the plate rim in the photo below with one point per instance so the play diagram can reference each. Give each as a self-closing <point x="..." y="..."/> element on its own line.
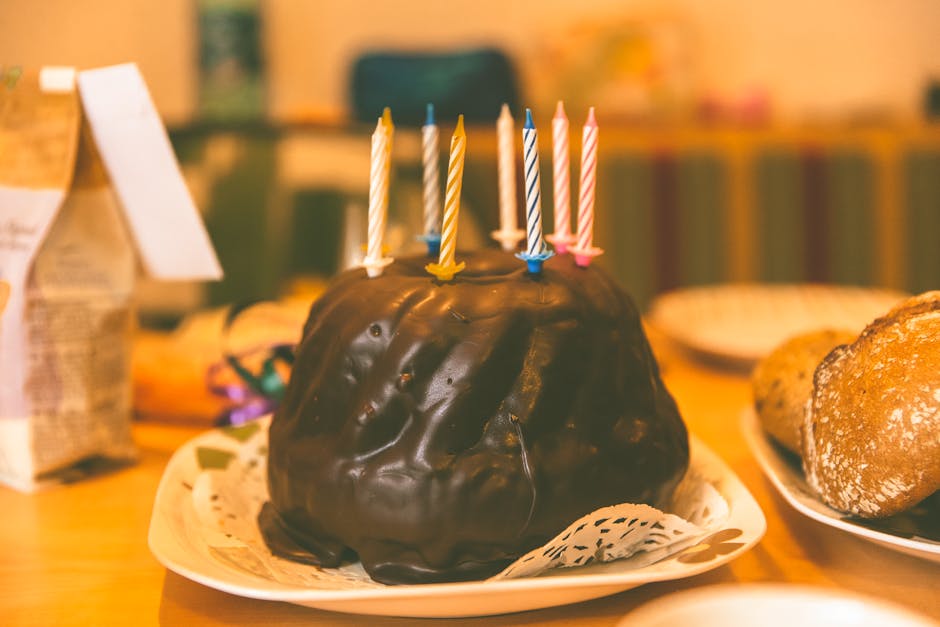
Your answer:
<point x="737" y="357"/>
<point x="774" y="468"/>
<point x="192" y="565"/>
<point x="734" y="593"/>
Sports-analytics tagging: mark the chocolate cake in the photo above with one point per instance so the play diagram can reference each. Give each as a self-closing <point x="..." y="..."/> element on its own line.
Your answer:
<point x="437" y="431"/>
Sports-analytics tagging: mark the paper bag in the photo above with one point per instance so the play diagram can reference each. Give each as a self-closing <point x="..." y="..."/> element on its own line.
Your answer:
<point x="70" y="264"/>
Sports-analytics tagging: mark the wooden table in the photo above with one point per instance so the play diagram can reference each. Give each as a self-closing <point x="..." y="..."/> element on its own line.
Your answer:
<point x="77" y="555"/>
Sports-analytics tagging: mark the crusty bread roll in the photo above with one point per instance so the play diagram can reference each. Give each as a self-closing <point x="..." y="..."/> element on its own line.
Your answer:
<point x="782" y="382"/>
<point x="871" y="441"/>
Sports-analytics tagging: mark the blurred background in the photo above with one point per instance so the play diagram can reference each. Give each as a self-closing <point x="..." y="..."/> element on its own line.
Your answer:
<point x="740" y="141"/>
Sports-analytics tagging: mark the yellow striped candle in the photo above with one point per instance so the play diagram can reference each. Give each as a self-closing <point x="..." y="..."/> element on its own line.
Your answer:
<point x="446" y="268"/>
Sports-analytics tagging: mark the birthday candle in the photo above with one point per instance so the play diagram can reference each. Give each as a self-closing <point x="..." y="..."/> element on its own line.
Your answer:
<point x="389" y="126"/>
<point x="389" y="136"/>
<point x="535" y="243"/>
<point x="432" y="190"/>
<point x="378" y="201"/>
<point x="507" y="170"/>
<point x="560" y="163"/>
<point x="585" y="250"/>
<point x="509" y="233"/>
<point x="445" y="268"/>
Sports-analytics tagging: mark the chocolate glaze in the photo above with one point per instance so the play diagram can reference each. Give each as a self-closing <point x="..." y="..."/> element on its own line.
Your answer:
<point x="441" y="430"/>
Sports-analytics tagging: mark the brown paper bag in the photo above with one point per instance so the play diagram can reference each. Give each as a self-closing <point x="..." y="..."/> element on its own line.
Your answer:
<point x="69" y="260"/>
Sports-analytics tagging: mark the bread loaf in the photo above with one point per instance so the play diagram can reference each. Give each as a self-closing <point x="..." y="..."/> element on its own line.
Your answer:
<point x="871" y="441"/>
<point x="782" y="382"/>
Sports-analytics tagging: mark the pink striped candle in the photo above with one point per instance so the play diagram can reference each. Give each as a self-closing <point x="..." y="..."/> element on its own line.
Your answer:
<point x="561" y="238"/>
<point x="374" y="263"/>
<point x="446" y="268"/>
<point x="584" y="249"/>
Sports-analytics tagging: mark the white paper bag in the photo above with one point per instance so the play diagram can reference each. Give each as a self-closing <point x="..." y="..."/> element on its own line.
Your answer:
<point x="68" y="252"/>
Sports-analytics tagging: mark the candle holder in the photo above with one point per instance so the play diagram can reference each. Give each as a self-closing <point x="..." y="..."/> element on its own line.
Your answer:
<point x="583" y="256"/>
<point x="433" y="241"/>
<point x="445" y="272"/>
<point x="561" y="242"/>
<point x="374" y="267"/>
<point x="534" y="262"/>
<point x="508" y="239"/>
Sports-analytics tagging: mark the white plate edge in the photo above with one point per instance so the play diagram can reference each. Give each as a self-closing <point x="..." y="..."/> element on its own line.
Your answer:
<point x="769" y="461"/>
<point x="746" y="508"/>
<point x="660" y="318"/>
<point x="756" y="592"/>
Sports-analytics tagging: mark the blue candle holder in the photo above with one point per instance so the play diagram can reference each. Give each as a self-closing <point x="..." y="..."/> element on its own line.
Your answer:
<point x="534" y="262"/>
<point x="433" y="241"/>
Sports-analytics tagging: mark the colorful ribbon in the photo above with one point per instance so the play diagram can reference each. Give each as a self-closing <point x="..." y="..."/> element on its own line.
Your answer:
<point x="256" y="393"/>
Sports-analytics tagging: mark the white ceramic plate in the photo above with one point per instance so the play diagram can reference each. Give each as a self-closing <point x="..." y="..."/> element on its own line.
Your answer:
<point x="900" y="532"/>
<point x="178" y="541"/>
<point x="740" y="323"/>
<point x="770" y="605"/>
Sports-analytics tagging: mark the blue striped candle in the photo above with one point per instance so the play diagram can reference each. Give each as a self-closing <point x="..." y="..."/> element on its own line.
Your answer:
<point x="536" y="250"/>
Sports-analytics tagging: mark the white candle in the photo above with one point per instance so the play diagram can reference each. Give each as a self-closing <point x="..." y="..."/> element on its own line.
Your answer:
<point x="374" y="263"/>
<point x="509" y="232"/>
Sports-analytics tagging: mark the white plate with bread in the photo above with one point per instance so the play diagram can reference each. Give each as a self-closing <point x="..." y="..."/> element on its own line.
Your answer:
<point x="736" y="324"/>
<point x="902" y="532"/>
<point x="846" y="425"/>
